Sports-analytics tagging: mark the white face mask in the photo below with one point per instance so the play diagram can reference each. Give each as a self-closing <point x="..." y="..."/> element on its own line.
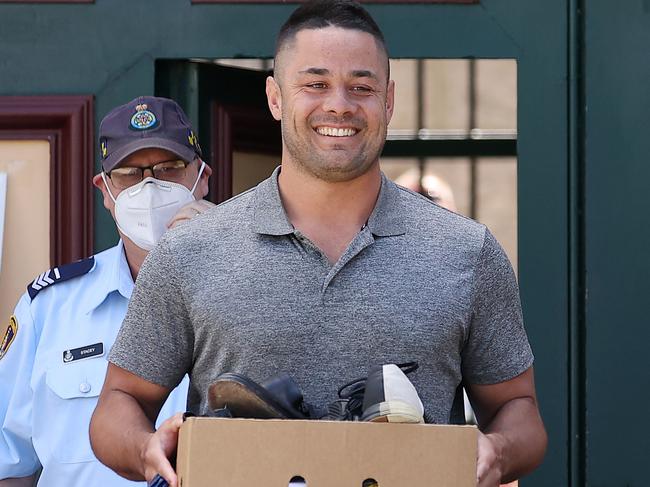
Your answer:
<point x="143" y="211"/>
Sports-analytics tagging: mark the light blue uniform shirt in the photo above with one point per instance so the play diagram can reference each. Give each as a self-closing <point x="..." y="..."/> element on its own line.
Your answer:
<point x="53" y="371"/>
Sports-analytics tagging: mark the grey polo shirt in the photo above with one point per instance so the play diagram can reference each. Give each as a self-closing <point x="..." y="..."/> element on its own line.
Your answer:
<point x="239" y="289"/>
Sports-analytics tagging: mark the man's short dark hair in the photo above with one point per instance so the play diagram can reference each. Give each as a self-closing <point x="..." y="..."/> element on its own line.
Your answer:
<point x="319" y="14"/>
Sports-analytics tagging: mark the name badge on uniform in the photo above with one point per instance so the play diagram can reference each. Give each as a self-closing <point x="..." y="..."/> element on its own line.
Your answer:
<point x="89" y="351"/>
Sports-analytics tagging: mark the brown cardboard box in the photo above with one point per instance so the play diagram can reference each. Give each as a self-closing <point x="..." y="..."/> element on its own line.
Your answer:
<point x="218" y="452"/>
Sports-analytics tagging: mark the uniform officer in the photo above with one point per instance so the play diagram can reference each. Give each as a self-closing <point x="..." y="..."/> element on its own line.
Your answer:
<point x="53" y="353"/>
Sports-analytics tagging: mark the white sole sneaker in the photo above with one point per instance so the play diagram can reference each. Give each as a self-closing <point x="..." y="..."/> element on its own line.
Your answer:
<point x="392" y="412"/>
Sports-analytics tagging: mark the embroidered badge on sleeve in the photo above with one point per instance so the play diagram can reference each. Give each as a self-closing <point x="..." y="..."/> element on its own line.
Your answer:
<point x="9" y="336"/>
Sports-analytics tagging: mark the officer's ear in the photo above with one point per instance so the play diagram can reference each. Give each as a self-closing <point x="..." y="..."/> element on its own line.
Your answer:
<point x="99" y="183"/>
<point x="203" y="185"/>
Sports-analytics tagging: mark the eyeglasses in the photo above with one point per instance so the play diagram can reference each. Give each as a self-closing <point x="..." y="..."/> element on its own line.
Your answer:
<point x="125" y="177"/>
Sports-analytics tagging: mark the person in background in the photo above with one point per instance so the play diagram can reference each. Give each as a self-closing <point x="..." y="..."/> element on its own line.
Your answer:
<point x="54" y="354"/>
<point x="323" y="268"/>
<point x="431" y="186"/>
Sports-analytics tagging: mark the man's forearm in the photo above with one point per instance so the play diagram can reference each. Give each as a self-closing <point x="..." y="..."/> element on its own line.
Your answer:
<point x="519" y="435"/>
<point x="119" y="431"/>
<point x="19" y="482"/>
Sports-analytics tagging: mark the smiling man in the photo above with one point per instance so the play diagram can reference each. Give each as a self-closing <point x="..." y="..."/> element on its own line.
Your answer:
<point x="322" y="269"/>
<point x="334" y="111"/>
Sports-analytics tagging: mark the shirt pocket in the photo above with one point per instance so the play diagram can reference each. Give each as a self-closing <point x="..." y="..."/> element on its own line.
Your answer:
<point x="75" y="389"/>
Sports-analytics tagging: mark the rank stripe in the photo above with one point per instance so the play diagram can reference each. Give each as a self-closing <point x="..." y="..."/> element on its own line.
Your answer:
<point x="44" y="279"/>
<point x="35" y="285"/>
<point x="59" y="274"/>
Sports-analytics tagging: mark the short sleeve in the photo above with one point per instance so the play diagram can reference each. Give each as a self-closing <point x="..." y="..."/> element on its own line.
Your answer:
<point x="497" y="348"/>
<point x="155" y="341"/>
<point x="17" y="455"/>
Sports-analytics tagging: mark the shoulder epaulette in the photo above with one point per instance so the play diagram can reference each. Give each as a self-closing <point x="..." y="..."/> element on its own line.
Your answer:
<point x="60" y="274"/>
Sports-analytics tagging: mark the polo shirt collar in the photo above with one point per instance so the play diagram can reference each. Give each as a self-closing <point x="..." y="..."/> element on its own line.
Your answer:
<point x="269" y="216"/>
<point x="271" y="219"/>
<point x="388" y="217"/>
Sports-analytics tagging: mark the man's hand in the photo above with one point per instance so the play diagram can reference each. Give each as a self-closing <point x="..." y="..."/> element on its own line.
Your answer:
<point x="512" y="440"/>
<point x="189" y="211"/>
<point x="488" y="464"/>
<point x="122" y="432"/>
<point x="160" y="447"/>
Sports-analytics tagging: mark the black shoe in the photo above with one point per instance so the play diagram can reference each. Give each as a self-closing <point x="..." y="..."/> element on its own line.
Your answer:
<point x="223" y="412"/>
<point x="213" y="413"/>
<point x="349" y="405"/>
<point x="385" y="395"/>
<point x="277" y="398"/>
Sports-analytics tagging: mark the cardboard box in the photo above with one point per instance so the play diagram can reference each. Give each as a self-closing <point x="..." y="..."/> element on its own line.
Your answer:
<point x="219" y="452"/>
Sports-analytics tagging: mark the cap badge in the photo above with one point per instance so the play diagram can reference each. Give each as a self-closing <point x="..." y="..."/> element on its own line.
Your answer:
<point x="192" y="139"/>
<point x="143" y="119"/>
<point x="104" y="149"/>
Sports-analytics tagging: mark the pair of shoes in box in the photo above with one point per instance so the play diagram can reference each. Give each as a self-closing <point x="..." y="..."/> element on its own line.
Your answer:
<point x="385" y="395"/>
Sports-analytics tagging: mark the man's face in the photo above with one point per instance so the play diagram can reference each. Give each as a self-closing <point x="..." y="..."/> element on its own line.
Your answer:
<point x="332" y="94"/>
<point x="147" y="158"/>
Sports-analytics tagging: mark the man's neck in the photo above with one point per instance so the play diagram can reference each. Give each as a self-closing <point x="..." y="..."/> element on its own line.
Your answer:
<point x="329" y="214"/>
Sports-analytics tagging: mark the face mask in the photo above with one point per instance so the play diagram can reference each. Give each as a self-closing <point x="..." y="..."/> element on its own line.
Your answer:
<point x="143" y="211"/>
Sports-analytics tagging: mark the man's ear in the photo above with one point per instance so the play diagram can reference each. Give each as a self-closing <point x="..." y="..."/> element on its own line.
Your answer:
<point x="390" y="100"/>
<point x="98" y="182"/>
<point x="203" y="186"/>
<point x="274" y="97"/>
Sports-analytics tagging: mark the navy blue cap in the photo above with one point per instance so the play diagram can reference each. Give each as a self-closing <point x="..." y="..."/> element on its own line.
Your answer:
<point x="143" y="123"/>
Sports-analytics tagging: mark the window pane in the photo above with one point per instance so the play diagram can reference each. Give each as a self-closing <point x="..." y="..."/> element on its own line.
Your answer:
<point x="404" y="73"/>
<point x="497" y="201"/>
<point x="446" y="94"/>
<point x="496" y="94"/>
